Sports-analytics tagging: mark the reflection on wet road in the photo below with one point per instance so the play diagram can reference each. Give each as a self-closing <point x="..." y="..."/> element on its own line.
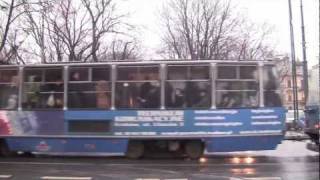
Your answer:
<point x="230" y="166"/>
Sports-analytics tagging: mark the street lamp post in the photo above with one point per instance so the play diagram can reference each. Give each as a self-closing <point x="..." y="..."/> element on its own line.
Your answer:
<point x="305" y="63"/>
<point x="294" y="74"/>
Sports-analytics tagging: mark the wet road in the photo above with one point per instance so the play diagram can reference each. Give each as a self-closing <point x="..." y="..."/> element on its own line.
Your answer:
<point x="290" y="161"/>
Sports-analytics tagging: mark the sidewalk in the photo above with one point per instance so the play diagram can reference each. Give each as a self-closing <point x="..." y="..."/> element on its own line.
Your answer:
<point x="296" y="135"/>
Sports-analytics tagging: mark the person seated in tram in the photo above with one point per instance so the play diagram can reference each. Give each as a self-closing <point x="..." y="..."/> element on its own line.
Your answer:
<point x="127" y="97"/>
<point x="250" y="100"/>
<point x="9" y="93"/>
<point x="179" y="98"/>
<point x="153" y="96"/>
<point x="145" y="89"/>
<point x="204" y="99"/>
<point x="33" y="92"/>
<point x="271" y="97"/>
<point x="192" y="93"/>
<point x="103" y="100"/>
<point x="230" y="100"/>
<point x="55" y="97"/>
<point x="75" y="95"/>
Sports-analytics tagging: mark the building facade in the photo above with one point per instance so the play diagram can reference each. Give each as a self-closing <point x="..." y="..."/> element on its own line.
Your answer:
<point x="314" y="86"/>
<point x="285" y="69"/>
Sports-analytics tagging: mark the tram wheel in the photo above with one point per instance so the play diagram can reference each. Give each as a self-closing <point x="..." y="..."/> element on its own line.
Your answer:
<point x="194" y="149"/>
<point x="135" y="150"/>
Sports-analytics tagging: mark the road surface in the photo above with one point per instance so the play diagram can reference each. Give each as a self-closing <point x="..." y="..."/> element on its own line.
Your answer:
<point x="290" y="161"/>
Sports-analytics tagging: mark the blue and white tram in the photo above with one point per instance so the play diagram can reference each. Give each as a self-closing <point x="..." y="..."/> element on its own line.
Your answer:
<point x="124" y="108"/>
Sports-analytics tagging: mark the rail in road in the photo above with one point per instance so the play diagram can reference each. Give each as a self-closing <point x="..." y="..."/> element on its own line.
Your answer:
<point x="91" y="178"/>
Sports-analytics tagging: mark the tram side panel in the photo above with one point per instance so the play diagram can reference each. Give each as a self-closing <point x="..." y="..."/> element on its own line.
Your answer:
<point x="110" y="131"/>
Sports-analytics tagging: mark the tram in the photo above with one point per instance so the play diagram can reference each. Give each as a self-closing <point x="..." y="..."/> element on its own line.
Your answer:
<point x="129" y="107"/>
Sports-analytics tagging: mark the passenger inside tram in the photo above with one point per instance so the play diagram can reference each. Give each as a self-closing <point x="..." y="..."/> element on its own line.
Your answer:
<point x="103" y="100"/>
<point x="75" y="95"/>
<point x="32" y="92"/>
<point x="144" y="96"/>
<point x="9" y="92"/>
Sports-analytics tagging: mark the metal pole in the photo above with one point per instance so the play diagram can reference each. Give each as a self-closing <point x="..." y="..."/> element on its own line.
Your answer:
<point x="319" y="51"/>
<point x="294" y="74"/>
<point x="305" y="63"/>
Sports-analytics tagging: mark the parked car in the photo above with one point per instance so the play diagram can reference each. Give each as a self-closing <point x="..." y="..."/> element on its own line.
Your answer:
<point x="300" y="123"/>
<point x="312" y="127"/>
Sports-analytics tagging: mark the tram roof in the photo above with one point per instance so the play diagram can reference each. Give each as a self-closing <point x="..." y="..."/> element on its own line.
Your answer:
<point x="144" y="62"/>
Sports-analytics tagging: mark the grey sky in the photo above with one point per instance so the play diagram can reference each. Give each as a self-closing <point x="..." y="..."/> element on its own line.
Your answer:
<point x="273" y="12"/>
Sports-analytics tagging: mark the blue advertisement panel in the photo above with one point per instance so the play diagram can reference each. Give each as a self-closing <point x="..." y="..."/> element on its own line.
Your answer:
<point x="144" y="123"/>
<point x="24" y="123"/>
<point x="109" y="131"/>
<point x="188" y="122"/>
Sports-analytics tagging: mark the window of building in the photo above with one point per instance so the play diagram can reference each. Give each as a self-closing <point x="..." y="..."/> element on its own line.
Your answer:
<point x="9" y="85"/>
<point x="43" y="88"/>
<point x="188" y="86"/>
<point x="289" y="83"/>
<point x="237" y="86"/>
<point x="89" y="88"/>
<point x="271" y="83"/>
<point x="302" y="84"/>
<point x="138" y="87"/>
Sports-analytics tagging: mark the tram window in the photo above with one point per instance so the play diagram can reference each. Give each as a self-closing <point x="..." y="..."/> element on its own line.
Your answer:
<point x="177" y="72"/>
<point x="53" y="75"/>
<point x="237" y="99"/>
<point x="78" y="74"/>
<point x="33" y="75"/>
<point x="270" y="81"/>
<point x="237" y="87"/>
<point x="152" y="72"/>
<point x="137" y="73"/>
<point x="272" y="97"/>
<point x="138" y="87"/>
<point x="99" y="74"/>
<point x="227" y="72"/>
<point x="9" y="83"/>
<point x="43" y="88"/>
<point x="199" y="72"/>
<point x="89" y="93"/>
<point x="187" y="86"/>
<point x="187" y="94"/>
<point x="248" y="72"/>
<point x="7" y="76"/>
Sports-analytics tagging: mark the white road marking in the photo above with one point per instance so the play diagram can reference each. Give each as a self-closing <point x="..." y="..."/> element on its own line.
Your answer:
<point x="160" y="179"/>
<point x="263" y="178"/>
<point x="5" y="176"/>
<point x="65" y="178"/>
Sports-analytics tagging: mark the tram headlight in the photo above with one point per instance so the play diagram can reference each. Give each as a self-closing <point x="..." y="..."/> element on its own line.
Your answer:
<point x="203" y="160"/>
<point x="236" y="160"/>
<point x="248" y="160"/>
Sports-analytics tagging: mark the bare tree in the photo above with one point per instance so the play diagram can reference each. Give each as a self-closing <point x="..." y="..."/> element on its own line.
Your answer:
<point x="11" y="12"/>
<point x="56" y="51"/>
<point x="68" y="23"/>
<point x="121" y="49"/>
<point x="251" y="42"/>
<point x="103" y="20"/>
<point x="205" y="29"/>
<point x="35" y="24"/>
